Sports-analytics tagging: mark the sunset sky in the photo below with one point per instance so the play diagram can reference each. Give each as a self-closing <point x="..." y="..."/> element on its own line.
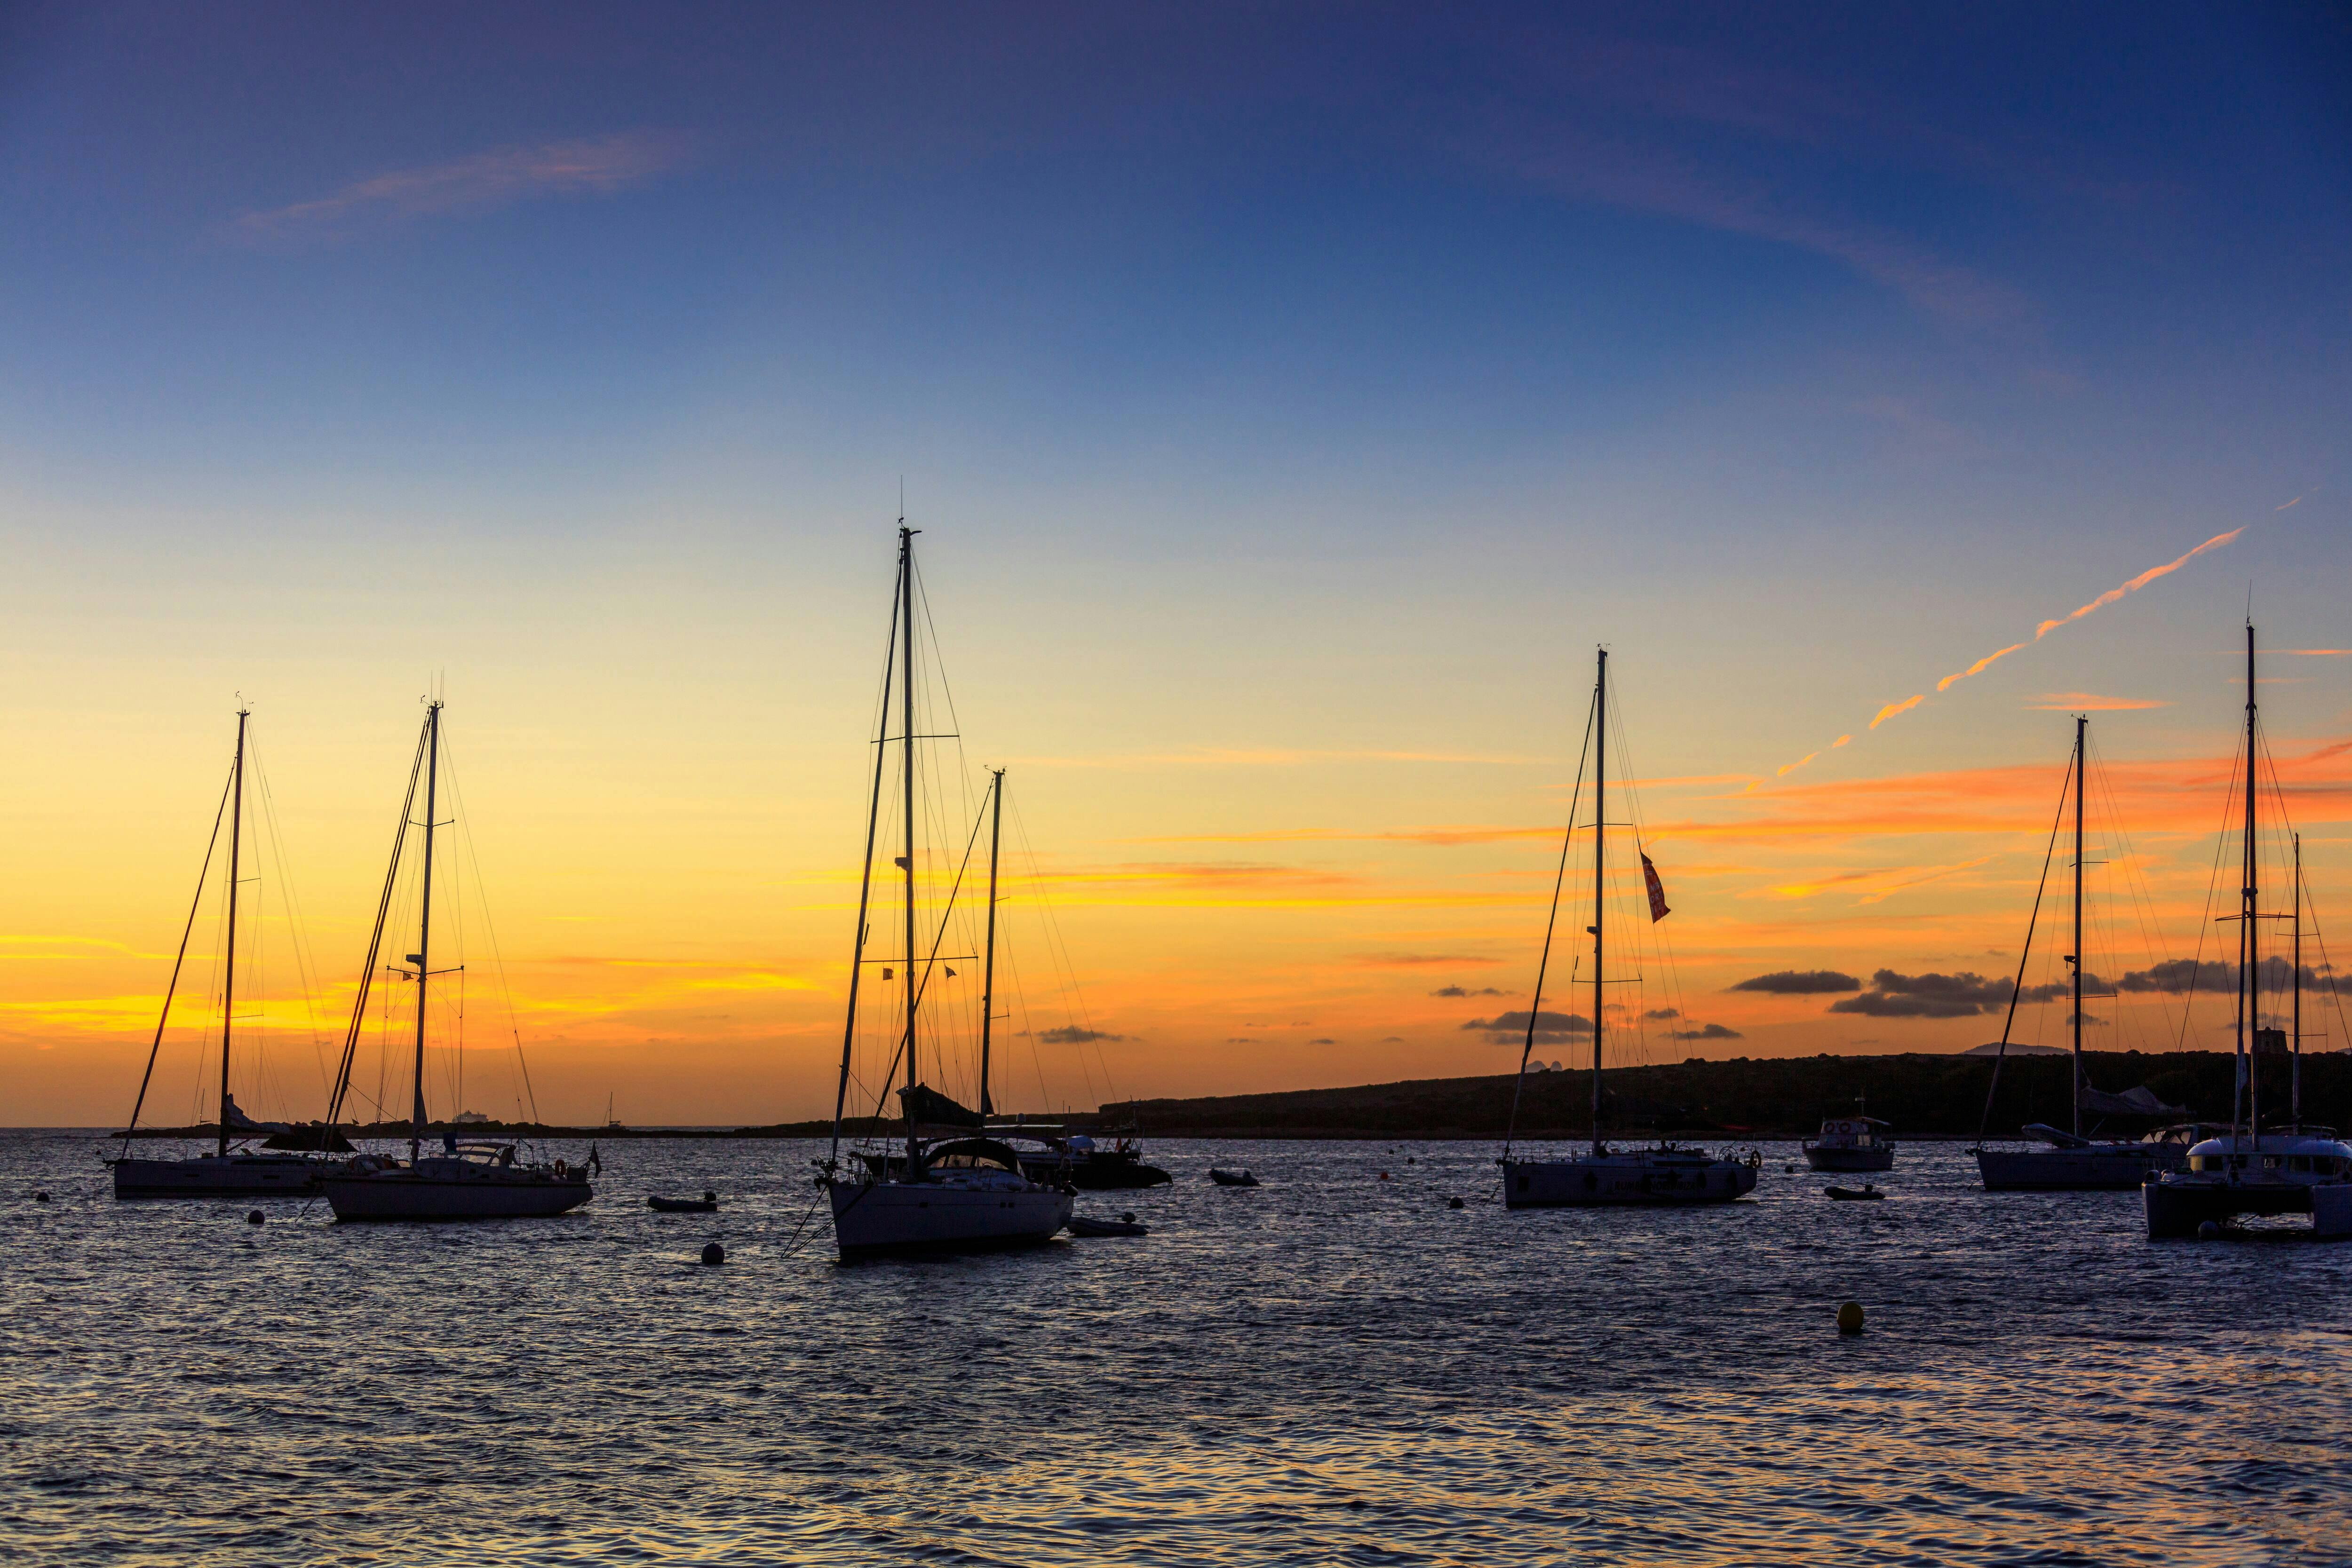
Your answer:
<point x="1291" y="397"/>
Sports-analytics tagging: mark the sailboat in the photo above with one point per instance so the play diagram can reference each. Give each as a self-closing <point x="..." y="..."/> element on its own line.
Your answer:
<point x="480" y="1178"/>
<point x="2295" y="1169"/>
<point x="2070" y="1161"/>
<point x="232" y="1170"/>
<point x="948" y="1185"/>
<point x="1664" y="1175"/>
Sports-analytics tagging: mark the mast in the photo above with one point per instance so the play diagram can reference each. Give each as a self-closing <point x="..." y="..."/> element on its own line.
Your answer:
<point x="865" y="885"/>
<point x="2249" y="975"/>
<point x="1599" y="865"/>
<point x="228" y="977"/>
<point x="2294" y="1083"/>
<point x="424" y="953"/>
<point x="2082" y="771"/>
<point x="907" y="737"/>
<point x="988" y="971"/>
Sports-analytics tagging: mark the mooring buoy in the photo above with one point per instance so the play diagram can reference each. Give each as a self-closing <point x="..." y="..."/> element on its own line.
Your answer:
<point x="1848" y="1317"/>
<point x="1453" y="1203"/>
<point x="40" y="1198"/>
<point x="254" y="1218"/>
<point x="713" y="1253"/>
<point x="2210" y="1231"/>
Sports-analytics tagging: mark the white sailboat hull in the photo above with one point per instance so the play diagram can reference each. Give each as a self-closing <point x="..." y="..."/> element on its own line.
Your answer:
<point x="211" y="1176"/>
<point x="871" y="1216"/>
<point x="454" y="1190"/>
<point x="2103" y="1167"/>
<point x="1645" y="1178"/>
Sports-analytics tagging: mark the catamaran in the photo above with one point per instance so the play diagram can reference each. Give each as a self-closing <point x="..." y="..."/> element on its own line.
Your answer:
<point x="232" y="1169"/>
<point x="2071" y="1161"/>
<point x="479" y="1179"/>
<point x="1667" y="1174"/>
<point x="948" y="1185"/>
<point x="2293" y="1169"/>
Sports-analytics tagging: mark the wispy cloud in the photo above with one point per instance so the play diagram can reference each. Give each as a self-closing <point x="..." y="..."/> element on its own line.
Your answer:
<point x="1891" y="709"/>
<point x="2089" y="702"/>
<point x="597" y="165"/>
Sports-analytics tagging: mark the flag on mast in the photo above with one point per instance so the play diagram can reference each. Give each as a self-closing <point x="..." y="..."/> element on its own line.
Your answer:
<point x="1658" y="910"/>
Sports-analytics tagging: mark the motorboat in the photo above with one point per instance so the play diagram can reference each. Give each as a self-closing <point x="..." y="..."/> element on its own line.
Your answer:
<point x="1856" y="1143"/>
<point x="1080" y="1159"/>
<point x="1666" y="1174"/>
<point x="1865" y="1193"/>
<point x="1232" y="1178"/>
<point x="707" y="1204"/>
<point x="468" y="1179"/>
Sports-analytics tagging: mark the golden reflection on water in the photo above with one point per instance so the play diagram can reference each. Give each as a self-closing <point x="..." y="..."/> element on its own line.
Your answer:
<point x="1330" y="1368"/>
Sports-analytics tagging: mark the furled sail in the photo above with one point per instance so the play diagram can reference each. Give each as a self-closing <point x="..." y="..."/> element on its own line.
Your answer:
<point x="928" y="1107"/>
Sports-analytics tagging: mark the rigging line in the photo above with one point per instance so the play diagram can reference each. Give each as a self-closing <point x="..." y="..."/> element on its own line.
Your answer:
<point x="939" y="664"/>
<point x="2212" y="882"/>
<point x="930" y="959"/>
<point x="1057" y="952"/>
<point x="194" y="904"/>
<point x="305" y="962"/>
<point x="2017" y="987"/>
<point x="1543" y="961"/>
<point x="375" y="947"/>
<point x="865" y="881"/>
<point x="2137" y="889"/>
<point x="489" y="925"/>
<point x="1061" y="972"/>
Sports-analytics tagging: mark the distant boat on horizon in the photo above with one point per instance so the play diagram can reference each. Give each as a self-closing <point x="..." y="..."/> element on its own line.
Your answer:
<point x="1666" y="1174"/>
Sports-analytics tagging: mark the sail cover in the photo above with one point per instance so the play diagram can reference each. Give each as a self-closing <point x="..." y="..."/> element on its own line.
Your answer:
<point x="930" y="1108"/>
<point x="2137" y="1101"/>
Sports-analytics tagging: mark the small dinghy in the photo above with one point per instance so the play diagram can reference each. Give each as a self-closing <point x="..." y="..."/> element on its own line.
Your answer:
<point x="1232" y="1178"/>
<point x="1862" y="1193"/>
<point x="1124" y="1225"/>
<point x="707" y="1204"/>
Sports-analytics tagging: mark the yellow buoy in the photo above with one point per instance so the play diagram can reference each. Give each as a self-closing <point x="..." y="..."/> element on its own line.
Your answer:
<point x="1848" y="1317"/>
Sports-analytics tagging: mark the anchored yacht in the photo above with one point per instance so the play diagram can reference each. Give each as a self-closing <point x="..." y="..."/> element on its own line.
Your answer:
<point x="1606" y="1174"/>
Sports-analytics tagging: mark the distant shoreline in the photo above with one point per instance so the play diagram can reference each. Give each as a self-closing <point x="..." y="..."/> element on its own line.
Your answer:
<point x="1923" y="1097"/>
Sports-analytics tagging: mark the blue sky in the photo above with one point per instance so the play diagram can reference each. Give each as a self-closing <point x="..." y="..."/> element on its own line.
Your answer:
<point x="1267" y="377"/>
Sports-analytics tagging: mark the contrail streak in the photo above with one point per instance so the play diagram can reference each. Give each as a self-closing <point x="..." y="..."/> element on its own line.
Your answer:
<point x="2142" y="581"/>
<point x="1977" y="668"/>
<point x="1892" y="709"/>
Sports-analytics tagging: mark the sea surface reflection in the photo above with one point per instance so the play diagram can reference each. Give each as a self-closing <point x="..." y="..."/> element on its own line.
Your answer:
<point x="1331" y="1368"/>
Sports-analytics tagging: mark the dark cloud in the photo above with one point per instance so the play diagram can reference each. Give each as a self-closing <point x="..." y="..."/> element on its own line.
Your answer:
<point x="1930" y="996"/>
<point x="1548" y="1025"/>
<point x="2175" y="977"/>
<point x="1071" y="1034"/>
<point x="1392" y="1039"/>
<point x="1325" y="1040"/>
<point x="1800" y="983"/>
<point x="1663" y="1013"/>
<point x="1712" y="1032"/>
<point x="1459" y="991"/>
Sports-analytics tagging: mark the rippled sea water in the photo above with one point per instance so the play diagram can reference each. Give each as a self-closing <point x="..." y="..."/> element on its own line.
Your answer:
<point x="1328" y="1369"/>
